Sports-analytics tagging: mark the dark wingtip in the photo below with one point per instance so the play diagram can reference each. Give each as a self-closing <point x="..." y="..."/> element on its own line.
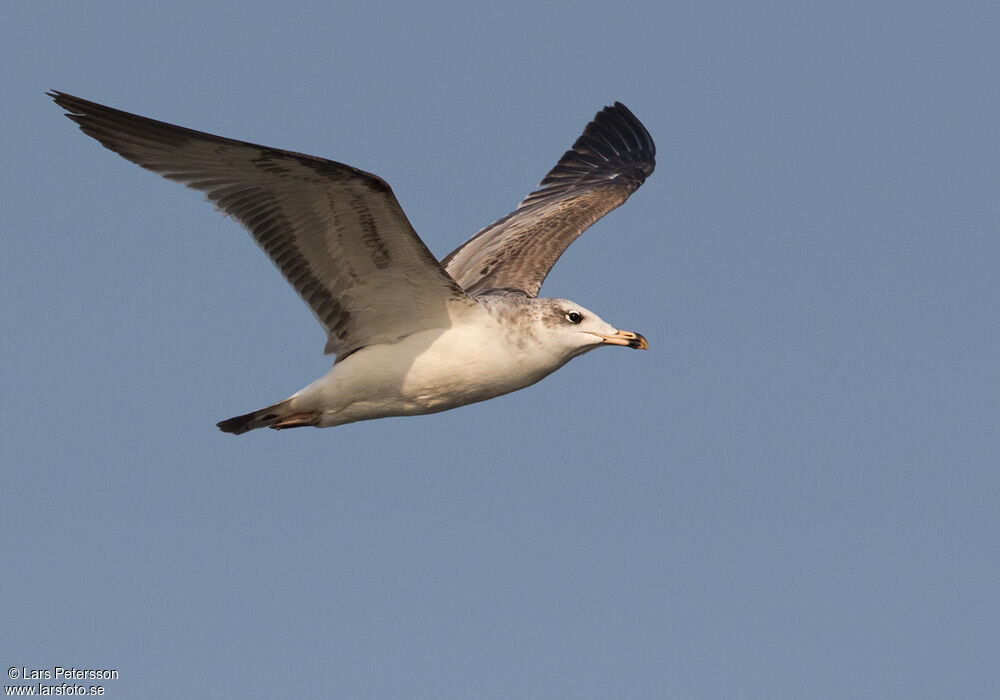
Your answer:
<point x="614" y="138"/>
<point x="620" y="120"/>
<point x="62" y="99"/>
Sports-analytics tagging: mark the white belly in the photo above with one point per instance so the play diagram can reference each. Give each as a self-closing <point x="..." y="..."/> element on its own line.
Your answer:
<point x="427" y="372"/>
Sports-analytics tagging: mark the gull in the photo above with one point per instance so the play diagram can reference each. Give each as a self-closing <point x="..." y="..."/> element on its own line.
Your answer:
<point x="411" y="334"/>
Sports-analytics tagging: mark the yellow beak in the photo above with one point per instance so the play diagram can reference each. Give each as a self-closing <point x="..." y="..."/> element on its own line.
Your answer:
<point x="626" y="338"/>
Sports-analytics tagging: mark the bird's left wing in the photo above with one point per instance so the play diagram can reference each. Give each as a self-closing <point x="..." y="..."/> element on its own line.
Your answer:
<point x="337" y="234"/>
<point x="611" y="159"/>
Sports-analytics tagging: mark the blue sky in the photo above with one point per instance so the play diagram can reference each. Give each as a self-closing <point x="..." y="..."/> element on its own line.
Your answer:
<point x="794" y="493"/>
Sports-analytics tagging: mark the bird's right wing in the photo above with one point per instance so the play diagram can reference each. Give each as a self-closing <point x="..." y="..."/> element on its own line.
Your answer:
<point x="337" y="234"/>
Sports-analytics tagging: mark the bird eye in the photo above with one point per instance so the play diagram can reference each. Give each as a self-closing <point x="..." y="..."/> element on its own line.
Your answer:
<point x="574" y="317"/>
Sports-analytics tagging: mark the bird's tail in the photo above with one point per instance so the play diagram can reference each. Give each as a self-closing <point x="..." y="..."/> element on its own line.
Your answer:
<point x="277" y="416"/>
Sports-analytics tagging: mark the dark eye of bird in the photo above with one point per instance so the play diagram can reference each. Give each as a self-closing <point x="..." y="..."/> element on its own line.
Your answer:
<point x="574" y="317"/>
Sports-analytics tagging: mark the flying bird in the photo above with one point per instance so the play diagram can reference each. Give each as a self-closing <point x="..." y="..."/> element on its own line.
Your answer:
<point x="411" y="334"/>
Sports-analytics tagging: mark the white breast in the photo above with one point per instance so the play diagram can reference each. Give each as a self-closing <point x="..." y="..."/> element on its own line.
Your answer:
<point x="474" y="360"/>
